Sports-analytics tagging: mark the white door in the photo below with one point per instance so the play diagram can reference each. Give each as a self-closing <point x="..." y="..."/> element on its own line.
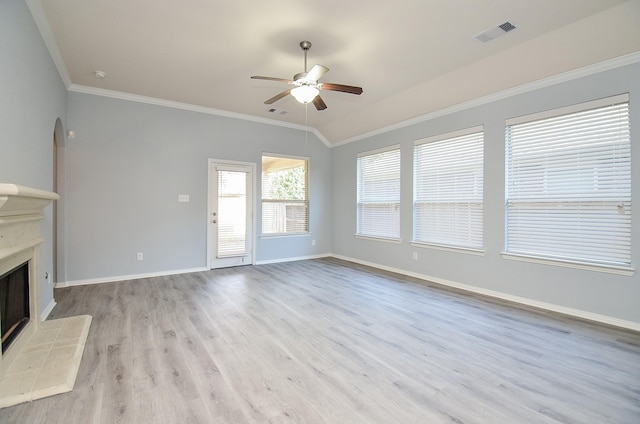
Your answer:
<point x="230" y="216"/>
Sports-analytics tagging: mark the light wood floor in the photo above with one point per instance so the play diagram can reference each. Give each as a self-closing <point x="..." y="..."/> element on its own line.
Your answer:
<point x="325" y="341"/>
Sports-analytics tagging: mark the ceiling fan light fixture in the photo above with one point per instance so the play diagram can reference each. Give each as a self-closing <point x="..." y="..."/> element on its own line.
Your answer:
<point x="305" y="93"/>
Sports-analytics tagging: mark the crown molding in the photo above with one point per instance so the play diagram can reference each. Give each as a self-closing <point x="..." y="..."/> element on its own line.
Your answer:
<point x="35" y="7"/>
<point x="193" y="108"/>
<point x="574" y="74"/>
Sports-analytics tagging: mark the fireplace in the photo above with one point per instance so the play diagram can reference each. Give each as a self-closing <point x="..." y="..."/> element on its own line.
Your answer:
<point x="14" y="303"/>
<point x="38" y="358"/>
<point x="20" y="238"/>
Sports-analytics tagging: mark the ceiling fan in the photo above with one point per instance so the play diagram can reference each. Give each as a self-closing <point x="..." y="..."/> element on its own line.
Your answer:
<point x="307" y="87"/>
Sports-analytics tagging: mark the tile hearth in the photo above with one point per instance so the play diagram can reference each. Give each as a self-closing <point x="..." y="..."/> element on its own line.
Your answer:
<point x="48" y="364"/>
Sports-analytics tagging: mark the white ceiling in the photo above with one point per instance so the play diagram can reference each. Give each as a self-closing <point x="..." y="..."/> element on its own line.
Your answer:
<point x="412" y="57"/>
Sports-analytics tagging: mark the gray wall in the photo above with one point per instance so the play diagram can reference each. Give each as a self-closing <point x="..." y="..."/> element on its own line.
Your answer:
<point x="121" y="176"/>
<point x="594" y="292"/>
<point x="129" y="162"/>
<point x="32" y="97"/>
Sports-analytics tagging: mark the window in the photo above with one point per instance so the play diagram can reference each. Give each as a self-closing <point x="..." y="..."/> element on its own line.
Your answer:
<point x="285" y="195"/>
<point x="569" y="184"/>
<point x="378" y="189"/>
<point x="448" y="189"/>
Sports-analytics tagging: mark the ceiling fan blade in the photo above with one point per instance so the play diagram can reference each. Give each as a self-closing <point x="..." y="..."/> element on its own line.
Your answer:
<point x="340" y="87"/>
<point x="272" y="79"/>
<point x="319" y="103"/>
<point x="277" y="97"/>
<point x="316" y="72"/>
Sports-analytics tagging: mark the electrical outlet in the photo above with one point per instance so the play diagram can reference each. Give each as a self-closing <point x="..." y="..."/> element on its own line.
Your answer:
<point x="415" y="256"/>
<point x="139" y="256"/>
<point x="313" y="242"/>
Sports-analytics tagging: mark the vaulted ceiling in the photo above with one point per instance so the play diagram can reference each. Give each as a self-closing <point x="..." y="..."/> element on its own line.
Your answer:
<point x="412" y="57"/>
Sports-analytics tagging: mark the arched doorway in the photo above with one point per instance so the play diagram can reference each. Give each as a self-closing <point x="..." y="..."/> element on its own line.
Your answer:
<point x="58" y="142"/>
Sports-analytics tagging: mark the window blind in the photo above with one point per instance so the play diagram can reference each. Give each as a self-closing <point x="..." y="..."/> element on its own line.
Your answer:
<point x="378" y="191"/>
<point x="569" y="185"/>
<point x="448" y="190"/>
<point x="285" y="195"/>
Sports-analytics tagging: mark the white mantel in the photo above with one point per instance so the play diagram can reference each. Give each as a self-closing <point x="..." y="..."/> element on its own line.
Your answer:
<point x="20" y="238"/>
<point x="20" y="200"/>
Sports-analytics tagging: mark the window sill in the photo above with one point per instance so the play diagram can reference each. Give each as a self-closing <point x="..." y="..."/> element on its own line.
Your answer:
<point x="446" y="248"/>
<point x="284" y="235"/>
<point x="382" y="239"/>
<point x="611" y="269"/>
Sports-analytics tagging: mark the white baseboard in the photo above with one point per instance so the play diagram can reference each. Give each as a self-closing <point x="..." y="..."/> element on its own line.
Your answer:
<point x="45" y="313"/>
<point x="126" y="277"/>
<point x="173" y="272"/>
<point x="298" y="258"/>
<point x="604" y="319"/>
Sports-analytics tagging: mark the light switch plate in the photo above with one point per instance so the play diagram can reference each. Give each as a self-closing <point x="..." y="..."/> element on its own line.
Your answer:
<point x="183" y="197"/>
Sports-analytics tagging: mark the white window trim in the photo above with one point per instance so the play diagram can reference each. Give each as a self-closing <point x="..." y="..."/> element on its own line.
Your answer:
<point x="446" y="248"/>
<point x="383" y="239"/>
<point x="594" y="104"/>
<point x="375" y="152"/>
<point x="378" y="151"/>
<point x="611" y="269"/>
<point x="432" y="139"/>
<point x="284" y="235"/>
<point x="452" y="134"/>
<point x="308" y="182"/>
<point x="282" y="155"/>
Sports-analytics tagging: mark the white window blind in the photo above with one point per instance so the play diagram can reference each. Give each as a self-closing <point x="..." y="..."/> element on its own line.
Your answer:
<point x="378" y="190"/>
<point x="569" y="185"/>
<point x="448" y="189"/>
<point x="285" y="195"/>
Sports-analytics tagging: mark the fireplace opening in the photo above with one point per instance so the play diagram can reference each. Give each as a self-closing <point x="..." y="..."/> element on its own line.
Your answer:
<point x="14" y="303"/>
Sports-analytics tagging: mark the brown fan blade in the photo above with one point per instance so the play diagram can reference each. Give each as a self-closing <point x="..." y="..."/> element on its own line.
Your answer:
<point x="316" y="72"/>
<point x="277" y="97"/>
<point x="340" y="87"/>
<point x="272" y="79"/>
<point x="319" y="103"/>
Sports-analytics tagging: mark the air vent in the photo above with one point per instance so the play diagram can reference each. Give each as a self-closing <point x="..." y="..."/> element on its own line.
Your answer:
<point x="277" y="111"/>
<point x="507" y="26"/>
<point x="495" y="32"/>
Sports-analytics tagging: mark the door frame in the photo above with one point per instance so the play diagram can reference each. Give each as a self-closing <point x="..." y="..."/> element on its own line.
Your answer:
<point x="211" y="202"/>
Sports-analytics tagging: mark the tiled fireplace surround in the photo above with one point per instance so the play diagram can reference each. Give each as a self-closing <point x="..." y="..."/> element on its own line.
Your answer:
<point x="43" y="359"/>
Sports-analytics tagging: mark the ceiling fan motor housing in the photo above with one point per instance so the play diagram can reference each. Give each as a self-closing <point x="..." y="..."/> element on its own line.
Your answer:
<point x="300" y="76"/>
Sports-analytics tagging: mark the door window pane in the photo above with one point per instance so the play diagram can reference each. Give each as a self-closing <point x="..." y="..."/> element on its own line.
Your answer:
<point x="232" y="212"/>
